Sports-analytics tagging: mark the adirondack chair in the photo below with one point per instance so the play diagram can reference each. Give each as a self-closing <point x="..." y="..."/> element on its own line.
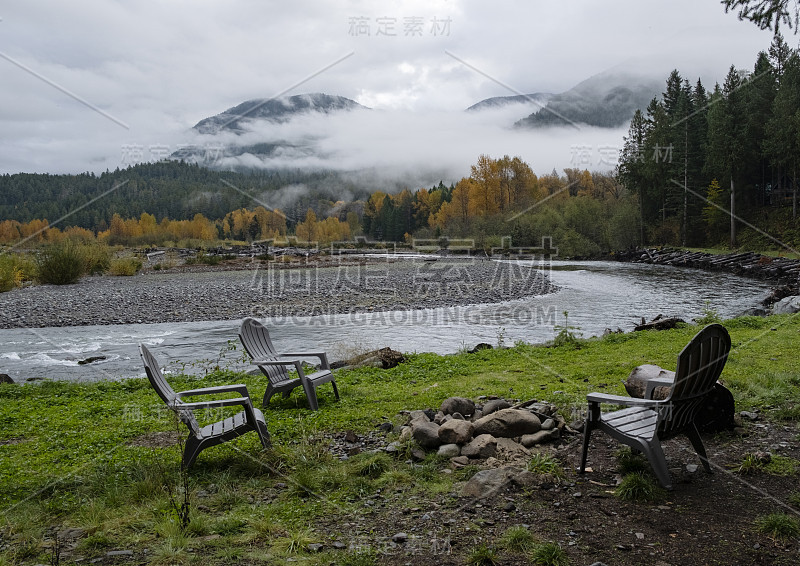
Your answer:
<point x="199" y="437"/>
<point x="644" y="423"/>
<point x="256" y="341"/>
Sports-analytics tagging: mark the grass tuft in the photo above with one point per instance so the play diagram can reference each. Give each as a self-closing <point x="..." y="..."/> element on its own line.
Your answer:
<point x="518" y="539"/>
<point x="482" y="555"/>
<point x="544" y="464"/>
<point x="778" y="525"/>
<point x="640" y="487"/>
<point x="549" y="554"/>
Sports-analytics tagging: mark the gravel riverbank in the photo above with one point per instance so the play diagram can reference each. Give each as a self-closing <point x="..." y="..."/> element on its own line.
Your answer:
<point x="330" y="287"/>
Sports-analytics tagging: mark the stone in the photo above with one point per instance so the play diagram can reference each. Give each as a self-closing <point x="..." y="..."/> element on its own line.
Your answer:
<point x="548" y="424"/>
<point x="426" y="434"/>
<point x="449" y="450"/>
<point x="526" y="479"/>
<point x="749" y="415"/>
<point x="338" y="545"/>
<point x="482" y="446"/>
<point x="386" y="427"/>
<point x="507" y="449"/>
<point x="508" y="423"/>
<point x="417" y="454"/>
<point x="488" y="482"/>
<point x="91" y="360"/>
<point x="392" y="448"/>
<point x="405" y="434"/>
<point x="5" y="378"/>
<point x="479" y="347"/>
<point x="417" y="416"/>
<point x="788" y="305"/>
<point x="456" y="432"/>
<point x="529" y="440"/>
<point x="457" y="405"/>
<point x="119" y="553"/>
<point x="460" y="461"/>
<point x="399" y="538"/>
<point x="456" y="415"/>
<point x="495" y="405"/>
<point x="314" y="547"/>
<point x="508" y="507"/>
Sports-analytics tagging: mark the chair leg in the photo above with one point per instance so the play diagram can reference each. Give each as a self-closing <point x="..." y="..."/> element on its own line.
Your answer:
<point x="263" y="434"/>
<point x="587" y="431"/>
<point x="335" y="389"/>
<point x="191" y="451"/>
<point x="311" y="394"/>
<point x="268" y="394"/>
<point x="655" y="455"/>
<point x="697" y="442"/>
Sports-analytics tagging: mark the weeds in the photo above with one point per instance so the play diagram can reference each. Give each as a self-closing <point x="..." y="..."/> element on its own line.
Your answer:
<point x="544" y="464"/>
<point x="566" y="335"/>
<point x="631" y="462"/>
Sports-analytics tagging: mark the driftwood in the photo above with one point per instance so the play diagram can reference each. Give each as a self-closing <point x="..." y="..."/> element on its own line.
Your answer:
<point x="718" y="409"/>
<point x="660" y="323"/>
<point x="385" y="358"/>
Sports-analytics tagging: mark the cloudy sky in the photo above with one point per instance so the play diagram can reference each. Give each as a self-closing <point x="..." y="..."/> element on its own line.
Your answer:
<point x="90" y="85"/>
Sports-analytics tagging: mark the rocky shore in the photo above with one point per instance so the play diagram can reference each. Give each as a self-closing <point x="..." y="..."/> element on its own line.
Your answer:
<point x="271" y="289"/>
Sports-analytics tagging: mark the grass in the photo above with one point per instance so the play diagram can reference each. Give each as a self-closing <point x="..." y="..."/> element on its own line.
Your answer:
<point x="518" y="539"/>
<point x="60" y="264"/>
<point x="549" y="554"/>
<point x="81" y="462"/>
<point x="544" y="464"/>
<point x="482" y="555"/>
<point x="778" y="525"/>
<point x="641" y="488"/>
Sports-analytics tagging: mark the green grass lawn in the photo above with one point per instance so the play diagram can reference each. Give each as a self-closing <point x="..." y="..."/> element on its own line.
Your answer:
<point x="66" y="458"/>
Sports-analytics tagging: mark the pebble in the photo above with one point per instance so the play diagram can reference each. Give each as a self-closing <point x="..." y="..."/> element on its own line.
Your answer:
<point x="154" y="297"/>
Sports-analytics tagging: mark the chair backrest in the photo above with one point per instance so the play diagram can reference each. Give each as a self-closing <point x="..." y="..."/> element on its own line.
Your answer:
<point x="700" y="364"/>
<point x="164" y="390"/>
<point x="254" y="336"/>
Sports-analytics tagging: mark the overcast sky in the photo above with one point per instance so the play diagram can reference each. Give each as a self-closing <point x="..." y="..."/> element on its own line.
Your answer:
<point x="84" y="82"/>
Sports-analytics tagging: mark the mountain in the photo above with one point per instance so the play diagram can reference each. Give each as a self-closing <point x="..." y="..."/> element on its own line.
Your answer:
<point x="606" y="100"/>
<point x="537" y="100"/>
<point x="276" y="110"/>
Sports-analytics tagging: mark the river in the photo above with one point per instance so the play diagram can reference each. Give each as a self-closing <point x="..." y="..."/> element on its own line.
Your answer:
<point x="597" y="295"/>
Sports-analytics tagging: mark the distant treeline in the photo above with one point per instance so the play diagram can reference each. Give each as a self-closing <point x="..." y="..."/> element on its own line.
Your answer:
<point x="693" y="156"/>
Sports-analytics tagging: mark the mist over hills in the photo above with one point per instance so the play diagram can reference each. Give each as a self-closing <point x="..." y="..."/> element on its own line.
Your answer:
<point x="537" y="100"/>
<point x="606" y="100"/>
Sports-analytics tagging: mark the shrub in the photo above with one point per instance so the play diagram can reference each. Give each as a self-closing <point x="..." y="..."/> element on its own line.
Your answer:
<point x="482" y="555"/>
<point x="518" y="539"/>
<point x="11" y="274"/>
<point x="544" y="464"/>
<point x="60" y="264"/>
<point x="125" y="266"/>
<point x="96" y="259"/>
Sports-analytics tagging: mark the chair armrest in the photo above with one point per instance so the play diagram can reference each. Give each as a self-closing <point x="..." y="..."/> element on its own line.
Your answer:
<point x="323" y="357"/>
<point x="621" y="400"/>
<point x="243" y="401"/>
<point x="651" y="384"/>
<point x="239" y="388"/>
<point x="298" y="365"/>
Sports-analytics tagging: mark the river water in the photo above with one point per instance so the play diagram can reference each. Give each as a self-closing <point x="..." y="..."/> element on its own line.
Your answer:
<point x="597" y="295"/>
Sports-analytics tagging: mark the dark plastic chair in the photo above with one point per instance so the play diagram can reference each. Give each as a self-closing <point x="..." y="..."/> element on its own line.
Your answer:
<point x="254" y="336"/>
<point x="646" y="422"/>
<point x="201" y="438"/>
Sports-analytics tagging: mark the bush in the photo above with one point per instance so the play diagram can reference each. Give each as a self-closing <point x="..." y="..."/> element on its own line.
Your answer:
<point x="125" y="266"/>
<point x="96" y="258"/>
<point x="60" y="264"/>
<point x="14" y="269"/>
<point x="640" y="487"/>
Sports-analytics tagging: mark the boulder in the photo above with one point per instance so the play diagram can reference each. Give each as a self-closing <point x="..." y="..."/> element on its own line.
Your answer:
<point x="495" y="405"/>
<point x="488" y="482"/>
<point x="456" y="432"/>
<point x="449" y="450"/>
<point x="5" y="378"/>
<point x="508" y="423"/>
<point x="636" y="383"/>
<point x="788" y="305"/>
<point x="426" y="434"/>
<point x="483" y="446"/>
<point x="415" y="416"/>
<point x="457" y="405"/>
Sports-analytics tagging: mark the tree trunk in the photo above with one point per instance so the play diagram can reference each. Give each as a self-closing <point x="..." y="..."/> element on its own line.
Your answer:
<point x="733" y="215"/>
